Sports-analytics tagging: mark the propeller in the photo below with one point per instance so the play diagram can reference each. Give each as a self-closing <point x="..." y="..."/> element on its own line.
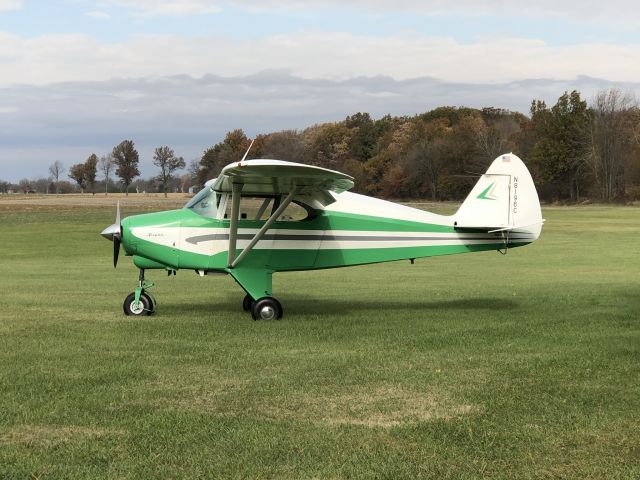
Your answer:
<point x="116" y="249"/>
<point x="114" y="233"/>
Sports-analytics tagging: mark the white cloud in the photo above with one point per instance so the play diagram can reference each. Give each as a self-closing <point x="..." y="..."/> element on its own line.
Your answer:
<point x="170" y="7"/>
<point x="7" y="5"/>
<point x="617" y="11"/>
<point x="54" y="58"/>
<point x="98" y="14"/>
<point x="613" y="11"/>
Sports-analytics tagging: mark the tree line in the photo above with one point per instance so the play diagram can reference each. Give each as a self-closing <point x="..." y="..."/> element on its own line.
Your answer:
<point x="575" y="150"/>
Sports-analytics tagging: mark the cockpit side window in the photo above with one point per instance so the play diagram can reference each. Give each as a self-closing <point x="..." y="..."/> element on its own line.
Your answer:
<point x="260" y="208"/>
<point x="252" y="208"/>
<point x="204" y="203"/>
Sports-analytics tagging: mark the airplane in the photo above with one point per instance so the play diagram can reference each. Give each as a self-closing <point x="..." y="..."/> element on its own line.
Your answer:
<point x="263" y="216"/>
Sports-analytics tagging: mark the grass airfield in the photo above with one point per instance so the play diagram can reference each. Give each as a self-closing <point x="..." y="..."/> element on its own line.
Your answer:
<point x="469" y="366"/>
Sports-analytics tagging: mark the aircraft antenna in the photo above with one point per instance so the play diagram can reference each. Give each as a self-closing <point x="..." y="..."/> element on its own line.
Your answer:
<point x="247" y="152"/>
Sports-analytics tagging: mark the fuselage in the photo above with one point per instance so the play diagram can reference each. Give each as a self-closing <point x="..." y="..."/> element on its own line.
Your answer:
<point x="353" y="230"/>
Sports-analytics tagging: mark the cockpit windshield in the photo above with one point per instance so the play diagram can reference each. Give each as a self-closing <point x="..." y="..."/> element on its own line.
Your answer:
<point x="204" y="203"/>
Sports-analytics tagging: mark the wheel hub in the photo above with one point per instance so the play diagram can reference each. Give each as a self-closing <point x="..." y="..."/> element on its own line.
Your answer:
<point x="267" y="312"/>
<point x="136" y="308"/>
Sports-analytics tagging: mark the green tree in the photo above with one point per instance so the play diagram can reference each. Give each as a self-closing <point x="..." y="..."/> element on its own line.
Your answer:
<point x="364" y="138"/>
<point x="165" y="159"/>
<point x="562" y="145"/>
<point x="126" y="158"/>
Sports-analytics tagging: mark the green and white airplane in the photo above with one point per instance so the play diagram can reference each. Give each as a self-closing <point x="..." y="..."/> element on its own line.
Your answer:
<point x="265" y="216"/>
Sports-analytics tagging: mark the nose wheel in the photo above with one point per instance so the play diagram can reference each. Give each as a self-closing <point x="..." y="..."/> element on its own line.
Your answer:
<point x="140" y="302"/>
<point x="143" y="307"/>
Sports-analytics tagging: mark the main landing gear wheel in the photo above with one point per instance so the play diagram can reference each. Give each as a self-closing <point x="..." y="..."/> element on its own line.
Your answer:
<point x="144" y="307"/>
<point x="266" y="308"/>
<point x="247" y="303"/>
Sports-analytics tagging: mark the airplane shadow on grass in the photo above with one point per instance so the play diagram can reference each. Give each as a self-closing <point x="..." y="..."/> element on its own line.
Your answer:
<point x="304" y="305"/>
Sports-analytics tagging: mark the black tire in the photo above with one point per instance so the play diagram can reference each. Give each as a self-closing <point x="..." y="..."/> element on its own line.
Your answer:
<point x="129" y="310"/>
<point x="152" y="299"/>
<point x="247" y="303"/>
<point x="266" y="308"/>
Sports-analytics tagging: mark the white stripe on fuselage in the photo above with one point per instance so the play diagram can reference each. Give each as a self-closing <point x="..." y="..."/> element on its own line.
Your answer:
<point x="194" y="239"/>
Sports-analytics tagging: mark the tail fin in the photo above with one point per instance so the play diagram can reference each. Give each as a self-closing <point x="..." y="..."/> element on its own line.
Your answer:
<point x="504" y="199"/>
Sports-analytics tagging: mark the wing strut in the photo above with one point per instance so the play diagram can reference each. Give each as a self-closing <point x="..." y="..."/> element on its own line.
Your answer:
<point x="233" y="227"/>
<point x="258" y="236"/>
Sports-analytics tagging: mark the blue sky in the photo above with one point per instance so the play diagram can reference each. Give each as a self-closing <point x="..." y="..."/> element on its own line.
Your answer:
<point x="79" y="75"/>
<point x="114" y="22"/>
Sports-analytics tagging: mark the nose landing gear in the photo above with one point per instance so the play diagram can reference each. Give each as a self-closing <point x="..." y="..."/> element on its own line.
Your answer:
<point x="140" y="302"/>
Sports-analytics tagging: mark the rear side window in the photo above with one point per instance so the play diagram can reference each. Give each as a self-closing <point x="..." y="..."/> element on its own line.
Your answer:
<point x="294" y="213"/>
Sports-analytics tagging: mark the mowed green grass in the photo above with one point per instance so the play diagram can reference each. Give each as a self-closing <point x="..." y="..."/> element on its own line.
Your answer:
<point x="470" y="366"/>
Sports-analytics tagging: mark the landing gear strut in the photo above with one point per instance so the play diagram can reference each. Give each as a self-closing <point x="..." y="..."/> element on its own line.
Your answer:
<point x="140" y="302"/>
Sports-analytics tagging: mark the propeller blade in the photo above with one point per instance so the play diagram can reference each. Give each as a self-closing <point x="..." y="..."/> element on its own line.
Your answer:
<point x="116" y="237"/>
<point x="116" y="249"/>
<point x="114" y="233"/>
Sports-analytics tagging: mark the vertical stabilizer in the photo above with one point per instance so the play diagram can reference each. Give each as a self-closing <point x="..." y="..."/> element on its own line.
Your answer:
<point x="504" y="198"/>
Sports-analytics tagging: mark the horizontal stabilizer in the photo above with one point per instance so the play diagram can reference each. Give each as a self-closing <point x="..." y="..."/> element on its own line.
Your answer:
<point x="519" y="227"/>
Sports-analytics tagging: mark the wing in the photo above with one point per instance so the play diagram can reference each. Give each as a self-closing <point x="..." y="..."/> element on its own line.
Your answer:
<point x="268" y="177"/>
